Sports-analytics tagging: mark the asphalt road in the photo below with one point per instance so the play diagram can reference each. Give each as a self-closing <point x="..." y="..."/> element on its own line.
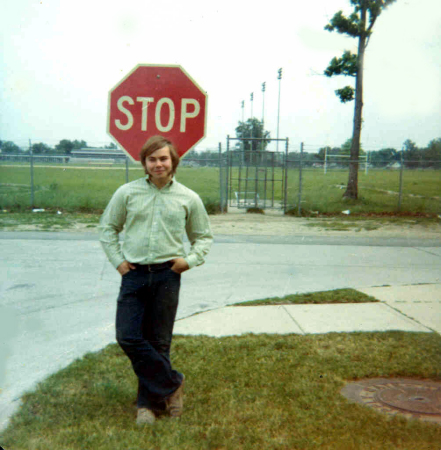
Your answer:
<point x="58" y="292"/>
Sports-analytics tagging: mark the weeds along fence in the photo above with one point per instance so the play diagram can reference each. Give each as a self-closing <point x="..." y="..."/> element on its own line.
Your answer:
<point x="86" y="184"/>
<point x="392" y="186"/>
<point x="313" y="186"/>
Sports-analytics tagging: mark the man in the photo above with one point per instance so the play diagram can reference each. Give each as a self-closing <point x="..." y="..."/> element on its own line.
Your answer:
<point x="156" y="211"/>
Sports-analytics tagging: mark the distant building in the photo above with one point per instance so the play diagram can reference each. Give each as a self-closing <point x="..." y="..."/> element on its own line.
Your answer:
<point x="98" y="153"/>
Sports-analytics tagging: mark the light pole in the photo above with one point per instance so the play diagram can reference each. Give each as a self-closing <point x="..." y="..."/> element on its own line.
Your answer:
<point x="278" y="107"/>
<point x="251" y="98"/>
<point x="243" y="124"/>
<point x="263" y="112"/>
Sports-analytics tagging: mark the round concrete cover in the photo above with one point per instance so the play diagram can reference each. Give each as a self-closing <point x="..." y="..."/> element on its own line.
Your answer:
<point x="419" y="399"/>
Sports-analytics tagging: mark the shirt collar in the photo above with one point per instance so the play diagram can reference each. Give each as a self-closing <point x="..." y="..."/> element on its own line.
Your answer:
<point x="168" y="185"/>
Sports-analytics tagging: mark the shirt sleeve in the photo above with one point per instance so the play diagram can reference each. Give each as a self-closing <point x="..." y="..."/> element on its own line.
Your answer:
<point x="111" y="224"/>
<point x="199" y="233"/>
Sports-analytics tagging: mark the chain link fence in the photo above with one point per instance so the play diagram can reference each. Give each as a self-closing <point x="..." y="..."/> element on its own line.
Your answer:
<point x="314" y="186"/>
<point x="385" y="186"/>
<point x="86" y="183"/>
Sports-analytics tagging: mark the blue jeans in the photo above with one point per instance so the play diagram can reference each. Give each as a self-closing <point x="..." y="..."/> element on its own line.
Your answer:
<point x="146" y="311"/>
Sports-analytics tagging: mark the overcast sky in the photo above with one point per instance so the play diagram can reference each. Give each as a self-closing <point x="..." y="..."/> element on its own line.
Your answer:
<point x="59" y="59"/>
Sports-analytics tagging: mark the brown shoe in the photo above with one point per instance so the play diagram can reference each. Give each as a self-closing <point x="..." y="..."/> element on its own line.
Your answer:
<point x="145" y="417"/>
<point x="175" y="403"/>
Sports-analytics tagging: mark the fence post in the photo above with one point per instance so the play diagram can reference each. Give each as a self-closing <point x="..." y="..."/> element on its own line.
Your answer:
<point x="286" y="177"/>
<point x="367" y="162"/>
<point x="221" y="187"/>
<point x="256" y="175"/>
<point x="300" y="179"/>
<point x="32" y="173"/>
<point x="228" y="175"/>
<point x="400" y="194"/>
<point x="127" y="169"/>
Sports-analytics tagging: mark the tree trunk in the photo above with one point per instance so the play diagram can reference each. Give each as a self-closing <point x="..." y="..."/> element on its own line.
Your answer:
<point x="352" y="188"/>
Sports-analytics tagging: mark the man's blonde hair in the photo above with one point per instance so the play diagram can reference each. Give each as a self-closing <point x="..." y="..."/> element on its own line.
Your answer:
<point x="156" y="143"/>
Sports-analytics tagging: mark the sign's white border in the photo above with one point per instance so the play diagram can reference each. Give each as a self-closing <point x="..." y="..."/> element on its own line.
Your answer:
<point x="162" y="66"/>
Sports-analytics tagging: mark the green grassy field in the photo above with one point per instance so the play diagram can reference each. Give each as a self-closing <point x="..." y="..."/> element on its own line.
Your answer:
<point x="378" y="191"/>
<point x="242" y="393"/>
<point x="90" y="189"/>
<point x="72" y="188"/>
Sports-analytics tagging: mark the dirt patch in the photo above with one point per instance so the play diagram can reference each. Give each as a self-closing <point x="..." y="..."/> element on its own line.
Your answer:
<point x="74" y="227"/>
<point x="272" y="223"/>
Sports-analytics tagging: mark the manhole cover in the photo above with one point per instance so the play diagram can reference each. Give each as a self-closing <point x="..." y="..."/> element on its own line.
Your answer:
<point x="412" y="398"/>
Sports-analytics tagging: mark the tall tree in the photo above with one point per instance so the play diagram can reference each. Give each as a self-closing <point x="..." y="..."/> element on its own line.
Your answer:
<point x="40" y="148"/>
<point x="358" y="25"/>
<point x="65" y="146"/>
<point x="433" y="152"/>
<point x="325" y="151"/>
<point x="77" y="145"/>
<point x="252" y="128"/>
<point x="412" y="154"/>
<point x="9" y="147"/>
<point x="383" y="157"/>
<point x="346" y="148"/>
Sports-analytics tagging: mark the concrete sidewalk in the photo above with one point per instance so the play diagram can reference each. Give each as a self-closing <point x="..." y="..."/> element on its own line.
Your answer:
<point x="415" y="308"/>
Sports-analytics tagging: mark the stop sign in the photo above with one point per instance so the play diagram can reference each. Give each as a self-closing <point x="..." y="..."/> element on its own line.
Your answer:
<point x="156" y="100"/>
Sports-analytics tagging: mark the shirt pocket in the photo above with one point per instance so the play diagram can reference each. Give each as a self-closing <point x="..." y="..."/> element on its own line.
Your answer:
<point x="174" y="217"/>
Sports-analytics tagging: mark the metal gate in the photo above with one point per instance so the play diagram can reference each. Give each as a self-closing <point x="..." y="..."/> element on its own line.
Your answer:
<point x="256" y="179"/>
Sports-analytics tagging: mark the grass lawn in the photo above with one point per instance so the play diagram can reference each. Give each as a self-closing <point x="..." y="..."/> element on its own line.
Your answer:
<point x="378" y="190"/>
<point x="242" y="392"/>
<point x="74" y="189"/>
<point x="325" y="297"/>
<point x="86" y="190"/>
<point x="247" y="392"/>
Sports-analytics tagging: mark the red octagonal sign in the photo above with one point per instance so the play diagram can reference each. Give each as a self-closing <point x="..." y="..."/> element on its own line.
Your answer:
<point x="156" y="100"/>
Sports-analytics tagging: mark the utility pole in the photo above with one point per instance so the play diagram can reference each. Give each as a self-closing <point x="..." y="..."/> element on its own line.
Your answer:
<point x="243" y="122"/>
<point x="263" y="114"/>
<point x="299" y="209"/>
<point x="31" y="153"/>
<point x="251" y="98"/>
<point x="278" y="108"/>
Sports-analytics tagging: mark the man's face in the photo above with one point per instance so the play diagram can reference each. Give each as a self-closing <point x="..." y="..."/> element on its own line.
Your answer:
<point x="159" y="166"/>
